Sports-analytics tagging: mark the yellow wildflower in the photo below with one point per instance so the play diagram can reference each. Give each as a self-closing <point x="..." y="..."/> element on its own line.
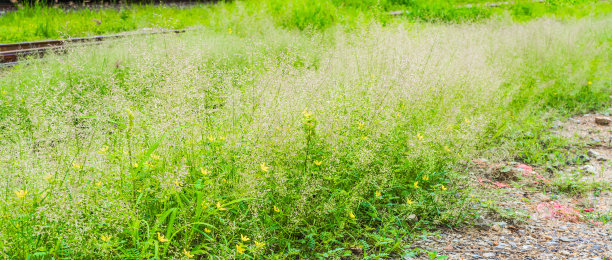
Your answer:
<point x="276" y="209"/>
<point x="409" y="201"/>
<point x="264" y="168"/>
<point x="260" y="244"/>
<point x="229" y="30"/>
<point x="222" y="138"/>
<point x="178" y="183"/>
<point x="589" y="82"/>
<point x="77" y="165"/>
<point x="467" y="121"/>
<point x="161" y="238"/>
<point x="211" y="138"/>
<point x="447" y="149"/>
<point x="364" y="138"/>
<point x="21" y="193"/>
<point x="398" y="114"/>
<point x="416" y="184"/>
<point x="105" y="238"/>
<point x="361" y="126"/>
<point x="48" y="177"/>
<point x="351" y="215"/>
<point x="187" y="253"/>
<point x="317" y="162"/>
<point x="244" y="238"/>
<point x="219" y="207"/>
<point x="207" y="230"/>
<point x="204" y="172"/>
<point x="135" y="165"/>
<point x="419" y="136"/>
<point x="240" y="249"/>
<point x="442" y="187"/>
<point x="378" y="194"/>
<point x="155" y="156"/>
<point x="103" y="150"/>
<point x="306" y="113"/>
<point x="99" y="183"/>
<point x="426" y="177"/>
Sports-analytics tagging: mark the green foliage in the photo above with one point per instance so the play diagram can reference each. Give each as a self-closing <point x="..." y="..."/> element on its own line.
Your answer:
<point x="37" y="22"/>
<point x="247" y="139"/>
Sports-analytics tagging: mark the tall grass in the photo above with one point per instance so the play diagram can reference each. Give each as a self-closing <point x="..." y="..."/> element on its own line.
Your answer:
<point x="260" y="141"/>
<point x="38" y="22"/>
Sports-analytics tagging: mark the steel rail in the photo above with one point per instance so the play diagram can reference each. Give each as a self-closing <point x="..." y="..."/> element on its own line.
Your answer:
<point x="10" y="53"/>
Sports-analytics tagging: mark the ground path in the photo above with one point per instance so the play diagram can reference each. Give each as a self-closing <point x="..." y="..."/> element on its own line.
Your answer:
<point x="556" y="225"/>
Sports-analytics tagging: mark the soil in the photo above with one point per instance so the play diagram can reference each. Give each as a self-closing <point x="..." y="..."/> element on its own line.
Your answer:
<point x="554" y="225"/>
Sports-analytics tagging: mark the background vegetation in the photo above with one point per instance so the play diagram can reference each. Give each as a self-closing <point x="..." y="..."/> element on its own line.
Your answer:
<point x="253" y="138"/>
<point x="37" y="22"/>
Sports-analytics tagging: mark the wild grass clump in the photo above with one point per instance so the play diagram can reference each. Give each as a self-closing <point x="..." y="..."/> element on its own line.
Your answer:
<point x="260" y="141"/>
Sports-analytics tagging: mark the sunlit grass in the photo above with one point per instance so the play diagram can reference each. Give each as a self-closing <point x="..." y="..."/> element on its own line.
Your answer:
<point x="262" y="140"/>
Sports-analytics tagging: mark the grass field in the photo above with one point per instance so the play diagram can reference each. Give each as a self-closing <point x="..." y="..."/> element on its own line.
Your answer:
<point x="247" y="139"/>
<point x="38" y="22"/>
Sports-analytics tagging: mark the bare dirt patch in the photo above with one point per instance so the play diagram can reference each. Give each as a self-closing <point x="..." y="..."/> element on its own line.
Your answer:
<point x="544" y="224"/>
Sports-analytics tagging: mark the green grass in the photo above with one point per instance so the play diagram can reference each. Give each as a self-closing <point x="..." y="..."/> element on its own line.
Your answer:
<point x="310" y="143"/>
<point x="38" y="22"/>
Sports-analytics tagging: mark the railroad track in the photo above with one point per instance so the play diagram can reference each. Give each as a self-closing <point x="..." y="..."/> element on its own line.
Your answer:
<point x="11" y="53"/>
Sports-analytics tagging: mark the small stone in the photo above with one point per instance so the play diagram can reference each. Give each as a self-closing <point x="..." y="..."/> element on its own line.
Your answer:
<point x="596" y="155"/>
<point x="496" y="228"/>
<point x="501" y="224"/>
<point x="488" y="254"/>
<point x="527" y="247"/>
<point x="564" y="252"/>
<point x="547" y="237"/>
<point x="501" y="246"/>
<point x="568" y="239"/>
<point x="602" y="120"/>
<point x="551" y="243"/>
<point x="448" y="248"/>
<point x="590" y="169"/>
<point x="512" y="244"/>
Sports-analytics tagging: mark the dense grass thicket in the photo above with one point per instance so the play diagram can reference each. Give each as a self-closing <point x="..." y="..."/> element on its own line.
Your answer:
<point x="252" y="139"/>
<point x="37" y="22"/>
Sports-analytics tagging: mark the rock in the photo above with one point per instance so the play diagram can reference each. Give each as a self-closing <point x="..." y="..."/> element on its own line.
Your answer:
<point x="527" y="247"/>
<point x="501" y="224"/>
<point x="552" y="243"/>
<point x="496" y="228"/>
<point x="568" y="239"/>
<point x="448" y="248"/>
<point x="547" y="237"/>
<point x="600" y="120"/>
<point x="596" y="155"/>
<point x="590" y="169"/>
<point x="488" y="255"/>
<point x="501" y="246"/>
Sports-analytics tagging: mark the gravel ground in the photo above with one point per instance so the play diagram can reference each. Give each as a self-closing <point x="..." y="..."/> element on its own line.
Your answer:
<point x="556" y="226"/>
